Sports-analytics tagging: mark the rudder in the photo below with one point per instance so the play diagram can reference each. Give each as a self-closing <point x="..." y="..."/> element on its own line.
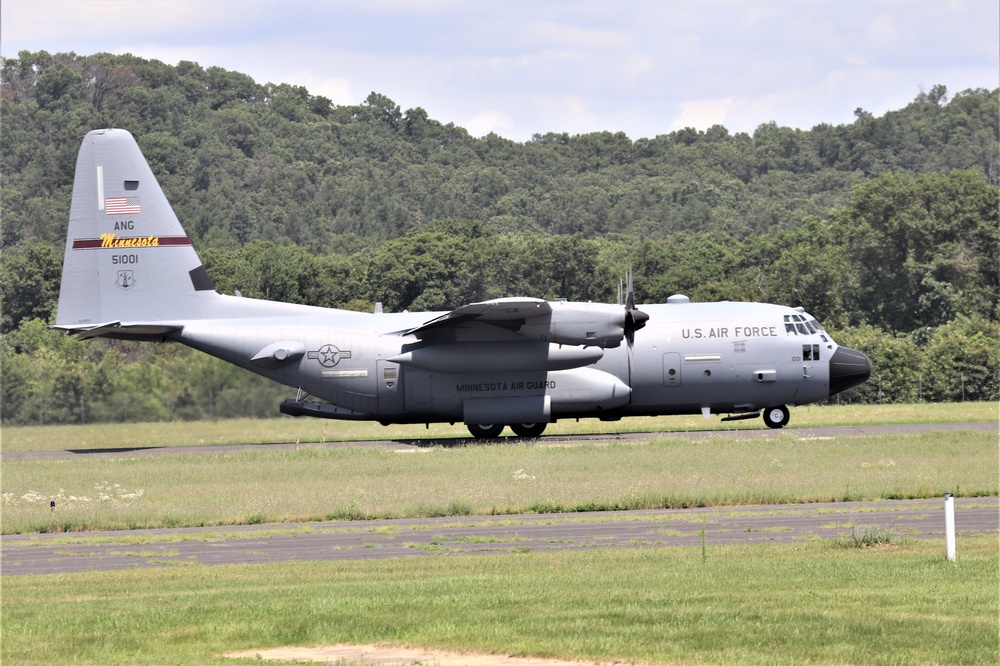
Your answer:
<point x="127" y="259"/>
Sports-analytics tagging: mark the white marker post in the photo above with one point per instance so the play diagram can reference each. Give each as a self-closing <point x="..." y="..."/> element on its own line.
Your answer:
<point x="949" y="525"/>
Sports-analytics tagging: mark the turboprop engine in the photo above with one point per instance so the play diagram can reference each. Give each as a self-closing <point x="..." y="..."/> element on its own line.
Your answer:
<point x="588" y="324"/>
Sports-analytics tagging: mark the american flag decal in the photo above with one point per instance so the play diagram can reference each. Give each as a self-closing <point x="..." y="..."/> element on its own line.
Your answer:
<point x="121" y="205"/>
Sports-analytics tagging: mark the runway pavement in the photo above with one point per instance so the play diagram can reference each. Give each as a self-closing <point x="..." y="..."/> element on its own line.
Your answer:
<point x="548" y="440"/>
<point x="379" y="539"/>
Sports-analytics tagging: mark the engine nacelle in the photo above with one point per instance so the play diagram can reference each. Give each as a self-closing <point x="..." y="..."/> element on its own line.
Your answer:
<point x="587" y="324"/>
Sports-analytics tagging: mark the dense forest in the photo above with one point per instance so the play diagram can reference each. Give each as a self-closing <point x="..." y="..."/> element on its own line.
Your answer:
<point x="886" y="229"/>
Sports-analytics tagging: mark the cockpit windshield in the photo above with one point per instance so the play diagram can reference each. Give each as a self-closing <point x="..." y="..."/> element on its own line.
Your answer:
<point x="803" y="324"/>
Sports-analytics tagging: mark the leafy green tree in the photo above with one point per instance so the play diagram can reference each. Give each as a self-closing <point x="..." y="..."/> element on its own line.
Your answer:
<point x="383" y="110"/>
<point x="895" y="359"/>
<point x="432" y="269"/>
<point x="810" y="272"/>
<point x="926" y="248"/>
<point x="961" y="361"/>
<point x="29" y="284"/>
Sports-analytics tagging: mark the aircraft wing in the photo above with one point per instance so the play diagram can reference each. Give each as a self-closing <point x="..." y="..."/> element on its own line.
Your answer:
<point x="502" y="313"/>
<point x="519" y="319"/>
<point x="502" y="335"/>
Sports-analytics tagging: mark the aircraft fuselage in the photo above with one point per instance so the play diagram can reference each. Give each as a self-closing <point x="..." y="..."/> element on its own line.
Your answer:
<point x="724" y="357"/>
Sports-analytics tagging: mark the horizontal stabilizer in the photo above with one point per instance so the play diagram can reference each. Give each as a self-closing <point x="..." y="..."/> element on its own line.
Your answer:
<point x="118" y="330"/>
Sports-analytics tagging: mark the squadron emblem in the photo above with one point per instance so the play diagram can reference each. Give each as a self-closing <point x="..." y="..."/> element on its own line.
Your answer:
<point x="126" y="280"/>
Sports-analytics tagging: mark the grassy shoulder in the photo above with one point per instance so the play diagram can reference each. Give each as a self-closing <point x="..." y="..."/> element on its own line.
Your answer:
<point x="321" y="483"/>
<point x="810" y="602"/>
<point x="306" y="430"/>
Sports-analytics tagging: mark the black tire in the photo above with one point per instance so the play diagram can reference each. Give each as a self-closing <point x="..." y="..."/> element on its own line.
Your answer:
<point x="776" y="417"/>
<point x="528" y="429"/>
<point x="485" y="430"/>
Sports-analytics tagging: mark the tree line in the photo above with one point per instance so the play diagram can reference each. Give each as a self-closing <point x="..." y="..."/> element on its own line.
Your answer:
<point x="885" y="229"/>
<point x="244" y="161"/>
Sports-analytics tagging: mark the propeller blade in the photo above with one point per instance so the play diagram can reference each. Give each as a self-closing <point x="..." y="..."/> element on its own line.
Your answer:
<point x="634" y="319"/>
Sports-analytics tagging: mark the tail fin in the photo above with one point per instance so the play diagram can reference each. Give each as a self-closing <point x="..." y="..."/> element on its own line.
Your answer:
<point x="128" y="263"/>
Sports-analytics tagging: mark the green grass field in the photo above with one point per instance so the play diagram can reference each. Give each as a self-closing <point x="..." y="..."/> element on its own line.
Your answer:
<point x="812" y="602"/>
<point x="323" y="483"/>
<point x="817" y="602"/>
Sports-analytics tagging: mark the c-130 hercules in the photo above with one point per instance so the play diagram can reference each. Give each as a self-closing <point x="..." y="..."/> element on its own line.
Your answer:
<point x="130" y="272"/>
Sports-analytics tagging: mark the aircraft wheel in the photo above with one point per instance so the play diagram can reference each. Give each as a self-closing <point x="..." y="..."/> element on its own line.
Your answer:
<point x="528" y="429"/>
<point x="485" y="430"/>
<point x="776" y="417"/>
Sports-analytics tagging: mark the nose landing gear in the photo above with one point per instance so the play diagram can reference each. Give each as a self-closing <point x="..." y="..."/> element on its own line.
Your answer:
<point x="776" y="417"/>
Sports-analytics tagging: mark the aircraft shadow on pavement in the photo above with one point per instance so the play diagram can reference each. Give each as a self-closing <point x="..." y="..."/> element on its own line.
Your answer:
<point x="128" y="449"/>
<point x="460" y="442"/>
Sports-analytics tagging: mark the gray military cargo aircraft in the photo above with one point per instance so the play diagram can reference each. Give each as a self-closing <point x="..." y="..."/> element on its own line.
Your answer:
<point x="130" y="272"/>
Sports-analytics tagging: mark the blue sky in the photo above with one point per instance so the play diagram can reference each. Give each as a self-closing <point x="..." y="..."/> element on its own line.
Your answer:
<point x="520" y="67"/>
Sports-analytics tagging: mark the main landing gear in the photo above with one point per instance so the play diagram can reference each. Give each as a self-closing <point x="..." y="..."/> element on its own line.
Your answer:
<point x="776" y="417"/>
<point x="493" y="430"/>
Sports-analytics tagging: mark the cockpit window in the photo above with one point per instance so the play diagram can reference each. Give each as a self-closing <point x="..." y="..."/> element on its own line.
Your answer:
<point x="802" y="325"/>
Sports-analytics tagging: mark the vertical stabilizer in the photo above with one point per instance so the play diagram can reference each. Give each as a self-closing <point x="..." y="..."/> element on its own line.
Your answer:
<point x="127" y="258"/>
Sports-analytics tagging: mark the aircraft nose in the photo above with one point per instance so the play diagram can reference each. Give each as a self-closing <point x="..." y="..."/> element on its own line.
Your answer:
<point x="848" y="367"/>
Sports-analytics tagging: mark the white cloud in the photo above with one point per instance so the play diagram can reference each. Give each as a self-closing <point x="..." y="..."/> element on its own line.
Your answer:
<point x="882" y="32"/>
<point x="702" y="113"/>
<point x="483" y="123"/>
<point x="566" y="113"/>
<point x="577" y="37"/>
<point x="37" y="20"/>
<point x="338" y="89"/>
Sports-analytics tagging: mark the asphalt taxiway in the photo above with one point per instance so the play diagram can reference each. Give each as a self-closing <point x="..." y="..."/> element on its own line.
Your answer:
<point x="380" y="539"/>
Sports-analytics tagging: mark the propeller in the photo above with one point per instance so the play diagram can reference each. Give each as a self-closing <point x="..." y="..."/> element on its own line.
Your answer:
<point x="634" y="319"/>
